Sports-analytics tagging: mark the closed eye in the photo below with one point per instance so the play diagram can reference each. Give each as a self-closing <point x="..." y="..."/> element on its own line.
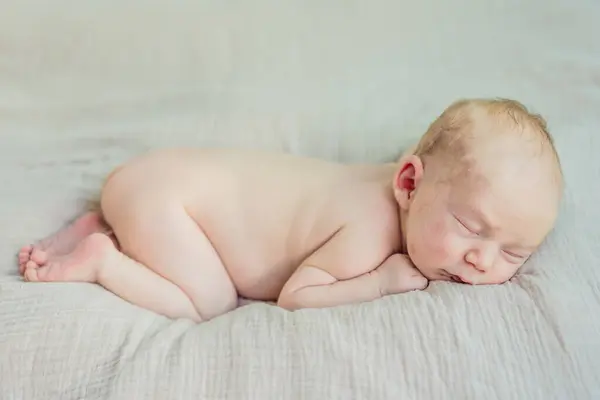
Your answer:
<point x="464" y="226"/>
<point x="514" y="255"/>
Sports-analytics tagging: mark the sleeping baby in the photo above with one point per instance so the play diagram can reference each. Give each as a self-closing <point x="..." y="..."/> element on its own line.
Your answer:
<point x="185" y="232"/>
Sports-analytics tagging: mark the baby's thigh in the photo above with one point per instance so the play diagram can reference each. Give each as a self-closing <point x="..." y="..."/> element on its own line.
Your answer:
<point x="155" y="230"/>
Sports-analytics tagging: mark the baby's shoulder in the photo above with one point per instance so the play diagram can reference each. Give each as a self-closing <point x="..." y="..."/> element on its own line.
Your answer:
<point x="362" y="241"/>
<point x="373" y="217"/>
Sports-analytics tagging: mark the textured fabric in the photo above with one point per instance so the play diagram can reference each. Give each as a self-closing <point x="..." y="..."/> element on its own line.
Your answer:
<point x="85" y="85"/>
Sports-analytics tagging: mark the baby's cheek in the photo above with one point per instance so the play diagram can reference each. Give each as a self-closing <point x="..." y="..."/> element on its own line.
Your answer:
<point x="438" y="241"/>
<point x="437" y="229"/>
<point x="441" y="248"/>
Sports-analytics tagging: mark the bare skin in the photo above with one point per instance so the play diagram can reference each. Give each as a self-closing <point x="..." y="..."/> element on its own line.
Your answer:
<point x="197" y="228"/>
<point x="62" y="242"/>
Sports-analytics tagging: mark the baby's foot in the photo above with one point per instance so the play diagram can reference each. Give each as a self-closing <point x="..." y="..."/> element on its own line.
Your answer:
<point x="61" y="242"/>
<point x="80" y="265"/>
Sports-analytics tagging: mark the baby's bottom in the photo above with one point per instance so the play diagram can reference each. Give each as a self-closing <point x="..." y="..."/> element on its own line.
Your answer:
<point x="165" y="263"/>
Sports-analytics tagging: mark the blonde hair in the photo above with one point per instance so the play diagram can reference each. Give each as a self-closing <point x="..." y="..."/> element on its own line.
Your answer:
<point x="450" y="135"/>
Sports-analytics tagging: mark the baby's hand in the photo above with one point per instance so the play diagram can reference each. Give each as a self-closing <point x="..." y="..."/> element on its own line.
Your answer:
<point x="398" y="274"/>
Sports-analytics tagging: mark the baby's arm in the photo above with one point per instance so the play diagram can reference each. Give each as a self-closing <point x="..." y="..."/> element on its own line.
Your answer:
<point x="349" y="268"/>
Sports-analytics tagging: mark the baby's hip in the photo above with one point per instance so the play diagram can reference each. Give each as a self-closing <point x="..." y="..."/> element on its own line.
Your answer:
<point x="159" y="176"/>
<point x="142" y="187"/>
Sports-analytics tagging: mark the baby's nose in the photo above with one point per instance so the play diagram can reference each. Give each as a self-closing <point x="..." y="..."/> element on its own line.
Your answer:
<point x="481" y="259"/>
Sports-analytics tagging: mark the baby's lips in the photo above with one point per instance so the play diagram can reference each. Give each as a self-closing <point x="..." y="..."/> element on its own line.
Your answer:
<point x="467" y="281"/>
<point x="460" y="279"/>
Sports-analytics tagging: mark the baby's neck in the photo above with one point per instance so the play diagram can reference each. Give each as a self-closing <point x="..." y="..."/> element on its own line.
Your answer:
<point x="403" y="217"/>
<point x="383" y="175"/>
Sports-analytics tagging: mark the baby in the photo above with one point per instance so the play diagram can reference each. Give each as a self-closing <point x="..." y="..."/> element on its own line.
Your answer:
<point x="184" y="232"/>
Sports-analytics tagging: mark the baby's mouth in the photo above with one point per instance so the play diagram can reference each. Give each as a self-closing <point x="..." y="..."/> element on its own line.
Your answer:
<point x="457" y="279"/>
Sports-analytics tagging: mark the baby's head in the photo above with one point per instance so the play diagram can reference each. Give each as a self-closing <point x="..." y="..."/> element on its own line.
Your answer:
<point x="479" y="193"/>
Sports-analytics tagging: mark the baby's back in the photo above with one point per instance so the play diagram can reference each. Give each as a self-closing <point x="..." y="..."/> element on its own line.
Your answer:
<point x="264" y="213"/>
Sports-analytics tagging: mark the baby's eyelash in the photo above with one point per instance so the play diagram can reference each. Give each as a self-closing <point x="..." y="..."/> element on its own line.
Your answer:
<point x="513" y="254"/>
<point x="465" y="226"/>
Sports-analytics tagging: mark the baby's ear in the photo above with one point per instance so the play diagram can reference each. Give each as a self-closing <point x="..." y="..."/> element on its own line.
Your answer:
<point x="406" y="179"/>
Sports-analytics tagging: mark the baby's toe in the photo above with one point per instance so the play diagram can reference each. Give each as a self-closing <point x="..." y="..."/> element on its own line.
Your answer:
<point x="23" y="257"/>
<point x="30" y="275"/>
<point x="24" y="253"/>
<point x="39" y="256"/>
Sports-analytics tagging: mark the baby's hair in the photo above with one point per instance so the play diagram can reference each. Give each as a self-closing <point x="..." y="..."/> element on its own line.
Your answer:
<point x="450" y="135"/>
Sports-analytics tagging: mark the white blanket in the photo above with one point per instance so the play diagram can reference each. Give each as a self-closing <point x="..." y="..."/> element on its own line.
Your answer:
<point x="85" y="85"/>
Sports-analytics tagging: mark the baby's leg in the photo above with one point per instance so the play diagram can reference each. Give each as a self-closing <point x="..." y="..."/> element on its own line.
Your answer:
<point x="156" y="231"/>
<point x="95" y="259"/>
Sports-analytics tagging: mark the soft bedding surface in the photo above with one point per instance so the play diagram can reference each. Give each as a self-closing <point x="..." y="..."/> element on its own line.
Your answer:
<point x="84" y="85"/>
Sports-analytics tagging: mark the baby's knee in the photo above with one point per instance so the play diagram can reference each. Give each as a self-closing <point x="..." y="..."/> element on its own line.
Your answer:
<point x="219" y="303"/>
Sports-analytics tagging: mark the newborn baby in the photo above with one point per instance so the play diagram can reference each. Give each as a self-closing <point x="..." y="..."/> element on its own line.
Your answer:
<point x="184" y="232"/>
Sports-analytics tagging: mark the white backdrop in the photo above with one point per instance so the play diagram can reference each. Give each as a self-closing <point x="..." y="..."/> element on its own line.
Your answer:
<point x="84" y="85"/>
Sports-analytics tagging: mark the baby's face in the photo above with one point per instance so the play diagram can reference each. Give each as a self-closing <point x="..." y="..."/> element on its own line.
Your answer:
<point x="478" y="231"/>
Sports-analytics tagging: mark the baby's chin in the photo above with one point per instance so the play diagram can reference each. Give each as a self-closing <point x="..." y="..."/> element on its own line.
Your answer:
<point x="431" y="273"/>
<point x="447" y="275"/>
<point x="487" y="281"/>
